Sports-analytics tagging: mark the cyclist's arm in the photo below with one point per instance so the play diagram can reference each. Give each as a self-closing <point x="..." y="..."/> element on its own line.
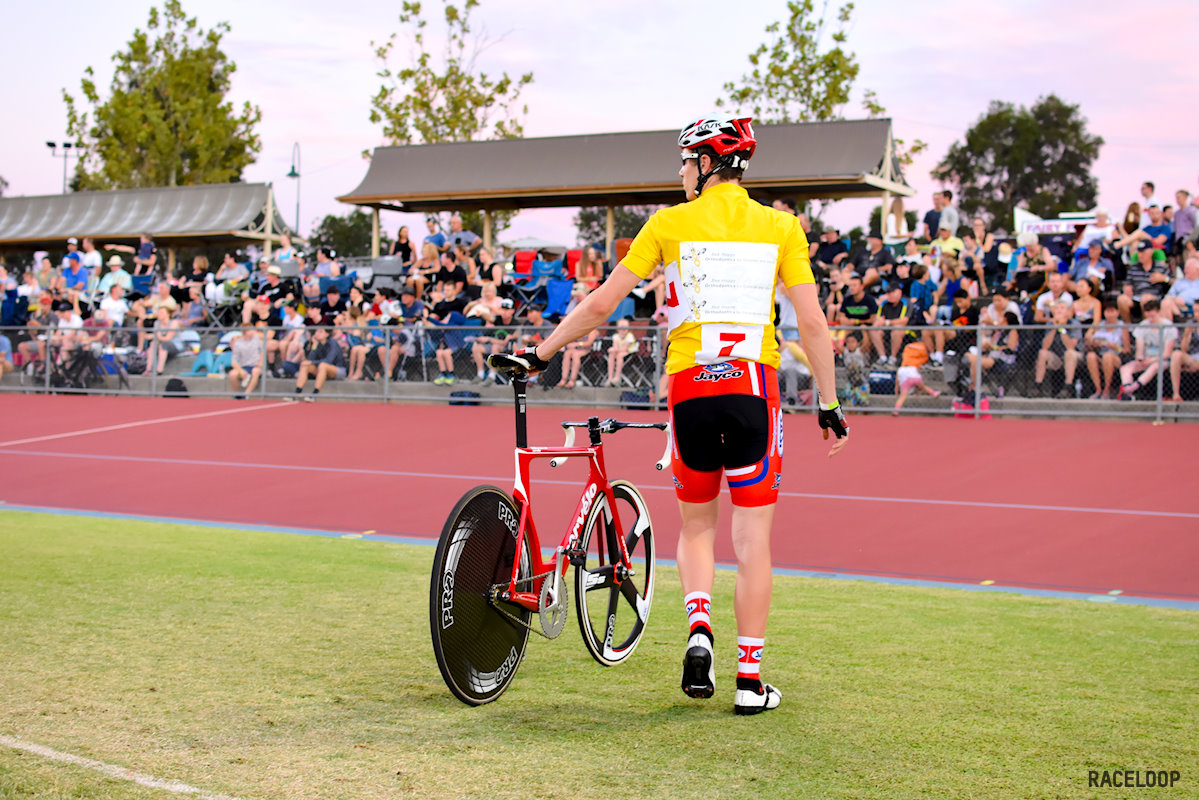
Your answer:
<point x="817" y="344"/>
<point x="592" y="312"/>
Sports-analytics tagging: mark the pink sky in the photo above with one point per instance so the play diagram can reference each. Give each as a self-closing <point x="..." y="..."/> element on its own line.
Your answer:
<point x="627" y="65"/>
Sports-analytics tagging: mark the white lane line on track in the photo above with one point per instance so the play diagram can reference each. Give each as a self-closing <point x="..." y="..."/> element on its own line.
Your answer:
<point x="142" y="422"/>
<point x="111" y="770"/>
<point x="503" y="481"/>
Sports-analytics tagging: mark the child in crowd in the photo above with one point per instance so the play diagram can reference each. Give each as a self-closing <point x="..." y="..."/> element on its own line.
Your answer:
<point x="856" y="370"/>
<point x="908" y="376"/>
<point x="624" y="344"/>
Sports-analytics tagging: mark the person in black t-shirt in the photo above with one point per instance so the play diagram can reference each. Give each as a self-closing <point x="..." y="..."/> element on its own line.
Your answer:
<point x="450" y="272"/>
<point x="962" y="313"/>
<point x="332" y="306"/>
<point x="875" y="264"/>
<point x="402" y="246"/>
<point x="859" y="309"/>
<point x="448" y="306"/>
<point x="893" y="313"/>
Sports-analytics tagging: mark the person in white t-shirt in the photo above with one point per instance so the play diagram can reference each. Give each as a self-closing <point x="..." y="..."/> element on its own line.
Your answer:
<point x="1153" y="345"/>
<point x="115" y="305"/>
<point x="1102" y="230"/>
<point x="92" y="260"/>
<point x="1056" y="294"/>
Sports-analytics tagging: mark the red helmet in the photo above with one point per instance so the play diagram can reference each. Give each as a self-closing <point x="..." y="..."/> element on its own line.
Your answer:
<point x="724" y="134"/>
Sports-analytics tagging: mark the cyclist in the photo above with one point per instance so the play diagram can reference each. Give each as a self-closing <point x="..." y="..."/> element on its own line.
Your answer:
<point x="724" y="254"/>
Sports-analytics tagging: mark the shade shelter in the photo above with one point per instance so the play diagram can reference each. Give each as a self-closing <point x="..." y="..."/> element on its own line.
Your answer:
<point x="177" y="216"/>
<point x="820" y="160"/>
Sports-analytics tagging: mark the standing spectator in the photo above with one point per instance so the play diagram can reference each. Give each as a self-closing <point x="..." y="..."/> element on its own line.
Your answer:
<point x="1059" y="349"/>
<point x="624" y="344"/>
<point x="1154" y="342"/>
<point x="323" y="359"/>
<point x="908" y="376"/>
<point x="402" y="247"/>
<point x="436" y="237"/>
<point x="1185" y="220"/>
<point x="893" y="313"/>
<point x="1179" y="303"/>
<point x="117" y="275"/>
<point x="145" y="255"/>
<point x="463" y="238"/>
<point x="950" y="217"/>
<point x="932" y="218"/>
<point x="1106" y="344"/>
<point x="1148" y="199"/>
<point x="1185" y="358"/>
<point x="857" y="371"/>
<point x="895" y="225"/>
<point x="72" y="248"/>
<point x="285" y="252"/>
<point x="93" y="262"/>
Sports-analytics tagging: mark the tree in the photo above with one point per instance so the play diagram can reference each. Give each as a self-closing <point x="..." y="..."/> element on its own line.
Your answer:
<point x="3" y="185"/>
<point x="454" y="101"/>
<point x="348" y="235"/>
<point x="797" y="77"/>
<point x="1038" y="158"/>
<point x="167" y="121"/>
<point x="592" y="222"/>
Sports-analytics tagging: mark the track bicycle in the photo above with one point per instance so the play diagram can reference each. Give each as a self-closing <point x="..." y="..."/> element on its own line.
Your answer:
<point x="490" y="578"/>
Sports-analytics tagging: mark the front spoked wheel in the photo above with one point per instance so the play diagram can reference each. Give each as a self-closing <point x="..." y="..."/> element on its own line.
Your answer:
<point x="478" y="642"/>
<point x="612" y="603"/>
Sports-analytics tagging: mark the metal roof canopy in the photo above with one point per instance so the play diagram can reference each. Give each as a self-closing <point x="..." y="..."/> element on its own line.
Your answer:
<point x="174" y="215"/>
<point x="848" y="158"/>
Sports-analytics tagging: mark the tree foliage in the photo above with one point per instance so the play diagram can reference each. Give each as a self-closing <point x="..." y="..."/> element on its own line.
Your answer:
<point x="349" y="235"/>
<point x="167" y="121"/>
<point x="592" y="222"/>
<point x="3" y="185"/>
<point x="450" y="101"/>
<point x="798" y="76"/>
<point x="1037" y="158"/>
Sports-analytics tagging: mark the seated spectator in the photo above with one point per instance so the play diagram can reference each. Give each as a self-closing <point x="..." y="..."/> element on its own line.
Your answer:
<point x="497" y="337"/>
<point x="1106" y="345"/>
<point x="164" y="337"/>
<point x="1184" y="359"/>
<point x="1102" y="231"/>
<point x="96" y="329"/>
<point x="195" y="311"/>
<point x="1087" y="308"/>
<point x="64" y="337"/>
<point x="1156" y="233"/>
<point x="198" y="276"/>
<point x="488" y="306"/>
<point x="997" y="349"/>
<point x="946" y="244"/>
<point x="267" y="304"/>
<point x="333" y="305"/>
<point x="911" y="254"/>
<point x="285" y="252"/>
<point x="323" y="359"/>
<point x="289" y="345"/>
<point x="624" y="344"/>
<point x="6" y="356"/>
<point x="875" y="263"/>
<point x="115" y="306"/>
<point x="794" y="370"/>
<point x="1059" y="350"/>
<point x="572" y="358"/>
<point x="995" y="314"/>
<point x="1154" y="343"/>
<point x="827" y="253"/>
<point x="1094" y="265"/>
<point x="953" y="277"/>
<point x="352" y="336"/>
<point x="1132" y="220"/>
<point x="74" y="275"/>
<point x="246" y="369"/>
<point x="656" y="283"/>
<point x="858" y="309"/>
<point x="422" y="272"/>
<point x="535" y="328"/>
<point x="474" y="281"/>
<point x="30" y="289"/>
<point x="490" y="269"/>
<point x="1029" y="265"/>
<point x="908" y="376"/>
<point x="1055" y="292"/>
<point x="47" y="275"/>
<point x="450" y="271"/>
<point x="589" y="270"/>
<point x="42" y="319"/>
<point x="358" y="300"/>
<point x="892" y="313"/>
<point x="116" y="275"/>
<point x="145" y="308"/>
<point x="145" y="255"/>
<point x="972" y="258"/>
<point x="1147" y="279"/>
<point x="1179" y="302"/>
<point x="962" y="315"/>
<point x="326" y="263"/>
<point x="448" y="306"/>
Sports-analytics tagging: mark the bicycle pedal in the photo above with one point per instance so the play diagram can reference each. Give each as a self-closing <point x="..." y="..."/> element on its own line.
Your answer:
<point x="577" y="557"/>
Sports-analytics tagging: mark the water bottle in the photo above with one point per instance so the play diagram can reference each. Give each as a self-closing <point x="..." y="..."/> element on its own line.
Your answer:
<point x="1078" y="387"/>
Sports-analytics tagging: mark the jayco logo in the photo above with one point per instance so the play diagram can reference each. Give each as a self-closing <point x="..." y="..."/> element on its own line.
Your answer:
<point x="588" y="497"/>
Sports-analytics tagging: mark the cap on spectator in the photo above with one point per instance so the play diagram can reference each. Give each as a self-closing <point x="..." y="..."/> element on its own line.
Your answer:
<point x="62" y="305"/>
<point x="875" y="233"/>
<point x="944" y="225"/>
<point x="72" y="240"/>
<point x="116" y="261"/>
<point x="506" y="303"/>
<point x="1005" y="253"/>
<point x="1154" y="204"/>
<point x="333" y="289"/>
<point x="264" y="260"/>
<point x="1095" y="243"/>
<point x="408" y="290"/>
<point x="273" y="270"/>
<point x="1145" y="246"/>
<point x="74" y="257"/>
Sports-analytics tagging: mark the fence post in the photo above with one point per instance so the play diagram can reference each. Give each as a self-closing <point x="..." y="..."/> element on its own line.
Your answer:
<point x="152" y="362"/>
<point x="978" y="371"/>
<point x="263" y="373"/>
<point x="1161" y="367"/>
<point x="420" y="348"/>
<point x="386" y="361"/>
<point x="47" y="360"/>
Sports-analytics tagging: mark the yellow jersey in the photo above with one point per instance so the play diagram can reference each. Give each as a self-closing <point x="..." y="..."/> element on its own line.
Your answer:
<point x="724" y="254"/>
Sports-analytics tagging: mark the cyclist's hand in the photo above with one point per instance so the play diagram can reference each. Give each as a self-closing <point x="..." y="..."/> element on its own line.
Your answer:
<point x="833" y="419"/>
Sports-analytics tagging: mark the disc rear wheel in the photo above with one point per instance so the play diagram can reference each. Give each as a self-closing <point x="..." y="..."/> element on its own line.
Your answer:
<point x="612" y="604"/>
<point x="478" y="642"/>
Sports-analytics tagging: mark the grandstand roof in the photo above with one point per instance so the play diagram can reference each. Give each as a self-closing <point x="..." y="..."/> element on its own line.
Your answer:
<point x="848" y="158"/>
<point x="173" y="214"/>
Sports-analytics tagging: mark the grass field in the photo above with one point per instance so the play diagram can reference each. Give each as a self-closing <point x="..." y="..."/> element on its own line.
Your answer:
<point x="266" y="665"/>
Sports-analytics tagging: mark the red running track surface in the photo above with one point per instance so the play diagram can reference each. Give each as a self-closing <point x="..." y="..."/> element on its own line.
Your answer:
<point x="1082" y="506"/>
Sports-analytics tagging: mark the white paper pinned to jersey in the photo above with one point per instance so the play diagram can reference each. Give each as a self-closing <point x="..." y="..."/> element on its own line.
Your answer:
<point x="727" y="281"/>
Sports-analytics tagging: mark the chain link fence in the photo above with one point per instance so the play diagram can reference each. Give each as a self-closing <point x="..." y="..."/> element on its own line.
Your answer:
<point x="1099" y="371"/>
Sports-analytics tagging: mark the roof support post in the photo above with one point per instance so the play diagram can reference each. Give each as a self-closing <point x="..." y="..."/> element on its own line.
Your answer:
<point x="487" y="228"/>
<point x="610" y="234"/>
<point x="270" y="218"/>
<point x="170" y="262"/>
<point x="375" y="232"/>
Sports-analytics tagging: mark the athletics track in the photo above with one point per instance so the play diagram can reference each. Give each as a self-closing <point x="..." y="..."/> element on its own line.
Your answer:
<point x="1101" y="510"/>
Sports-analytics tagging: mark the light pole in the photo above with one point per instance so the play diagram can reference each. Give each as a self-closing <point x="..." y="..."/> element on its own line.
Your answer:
<point x="66" y="154"/>
<point x="295" y="173"/>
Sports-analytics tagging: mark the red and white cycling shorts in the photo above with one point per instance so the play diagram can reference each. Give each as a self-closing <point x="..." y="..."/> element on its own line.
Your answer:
<point x="725" y="419"/>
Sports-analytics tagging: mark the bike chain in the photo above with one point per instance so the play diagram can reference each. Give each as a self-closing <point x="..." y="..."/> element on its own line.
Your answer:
<point x="498" y="605"/>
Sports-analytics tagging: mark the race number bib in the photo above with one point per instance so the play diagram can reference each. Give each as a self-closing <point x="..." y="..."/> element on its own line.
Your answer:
<point x="722" y="342"/>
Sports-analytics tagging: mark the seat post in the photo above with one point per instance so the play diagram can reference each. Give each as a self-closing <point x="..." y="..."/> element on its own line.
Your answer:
<point x="519" y="390"/>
